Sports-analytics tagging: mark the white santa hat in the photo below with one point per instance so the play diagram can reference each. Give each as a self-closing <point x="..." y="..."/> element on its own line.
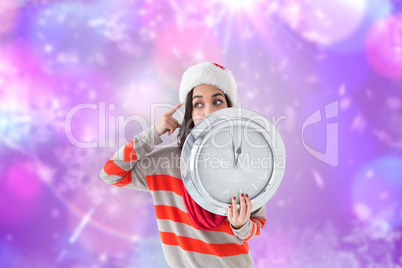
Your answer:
<point x="211" y="74"/>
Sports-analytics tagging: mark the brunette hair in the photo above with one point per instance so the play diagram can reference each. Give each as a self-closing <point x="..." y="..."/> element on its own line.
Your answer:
<point x="188" y="124"/>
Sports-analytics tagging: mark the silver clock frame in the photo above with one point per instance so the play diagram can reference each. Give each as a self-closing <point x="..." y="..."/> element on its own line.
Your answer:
<point x="201" y="132"/>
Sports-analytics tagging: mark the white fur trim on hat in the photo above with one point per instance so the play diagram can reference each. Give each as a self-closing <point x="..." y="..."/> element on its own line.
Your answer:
<point x="211" y="74"/>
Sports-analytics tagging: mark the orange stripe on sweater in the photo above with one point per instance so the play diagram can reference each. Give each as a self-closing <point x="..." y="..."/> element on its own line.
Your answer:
<point x="124" y="181"/>
<point x="252" y="231"/>
<point x="195" y="245"/>
<point x="129" y="152"/>
<point x="262" y="221"/>
<point x="164" y="212"/>
<point x="163" y="182"/>
<point x="112" y="169"/>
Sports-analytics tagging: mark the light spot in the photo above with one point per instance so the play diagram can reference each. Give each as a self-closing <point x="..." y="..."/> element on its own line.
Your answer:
<point x="394" y="103"/>
<point x="362" y="211"/>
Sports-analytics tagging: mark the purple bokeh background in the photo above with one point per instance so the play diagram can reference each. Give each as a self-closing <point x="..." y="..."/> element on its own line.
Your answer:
<point x="121" y="62"/>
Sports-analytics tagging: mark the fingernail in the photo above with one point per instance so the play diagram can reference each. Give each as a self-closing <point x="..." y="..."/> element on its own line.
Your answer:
<point x="242" y="195"/>
<point x="234" y="197"/>
<point x="247" y="195"/>
<point x="230" y="206"/>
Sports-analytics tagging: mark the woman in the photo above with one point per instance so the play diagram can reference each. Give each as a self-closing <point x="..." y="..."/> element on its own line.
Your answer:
<point x="190" y="235"/>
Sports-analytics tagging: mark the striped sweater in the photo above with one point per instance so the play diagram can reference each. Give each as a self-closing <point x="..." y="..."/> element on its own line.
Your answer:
<point x="135" y="166"/>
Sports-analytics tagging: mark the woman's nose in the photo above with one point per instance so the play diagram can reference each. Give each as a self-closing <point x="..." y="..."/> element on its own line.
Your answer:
<point x="209" y="110"/>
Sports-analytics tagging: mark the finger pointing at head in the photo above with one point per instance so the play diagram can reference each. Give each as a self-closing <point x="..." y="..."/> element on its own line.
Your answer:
<point x="174" y="109"/>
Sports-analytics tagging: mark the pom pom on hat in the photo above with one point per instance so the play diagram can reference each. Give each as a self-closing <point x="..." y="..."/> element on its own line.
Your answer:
<point x="211" y="74"/>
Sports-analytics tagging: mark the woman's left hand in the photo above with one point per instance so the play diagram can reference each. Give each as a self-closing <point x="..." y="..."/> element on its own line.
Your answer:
<point x="239" y="217"/>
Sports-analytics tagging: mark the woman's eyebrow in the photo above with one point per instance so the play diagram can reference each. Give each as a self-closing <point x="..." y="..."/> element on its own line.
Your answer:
<point x="216" y="94"/>
<point x="197" y="96"/>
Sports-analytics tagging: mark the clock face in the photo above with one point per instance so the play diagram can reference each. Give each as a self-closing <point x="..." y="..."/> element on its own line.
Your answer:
<point x="229" y="152"/>
<point x="224" y="173"/>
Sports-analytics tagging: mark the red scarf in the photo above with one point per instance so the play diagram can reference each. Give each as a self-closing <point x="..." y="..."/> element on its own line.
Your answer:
<point x="202" y="218"/>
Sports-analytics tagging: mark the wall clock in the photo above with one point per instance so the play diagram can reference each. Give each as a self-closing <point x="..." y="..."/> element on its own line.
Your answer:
<point x="232" y="151"/>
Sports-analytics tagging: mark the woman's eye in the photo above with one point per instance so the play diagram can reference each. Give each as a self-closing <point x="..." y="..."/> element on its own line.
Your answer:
<point x="218" y="102"/>
<point x="197" y="105"/>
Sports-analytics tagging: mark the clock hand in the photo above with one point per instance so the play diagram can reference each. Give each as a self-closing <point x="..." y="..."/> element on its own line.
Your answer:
<point x="233" y="146"/>
<point x="238" y="151"/>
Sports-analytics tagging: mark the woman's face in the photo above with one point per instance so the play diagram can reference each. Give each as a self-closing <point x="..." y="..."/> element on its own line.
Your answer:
<point x="206" y="99"/>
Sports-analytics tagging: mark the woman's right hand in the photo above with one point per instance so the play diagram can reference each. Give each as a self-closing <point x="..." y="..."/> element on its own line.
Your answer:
<point x="167" y="123"/>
